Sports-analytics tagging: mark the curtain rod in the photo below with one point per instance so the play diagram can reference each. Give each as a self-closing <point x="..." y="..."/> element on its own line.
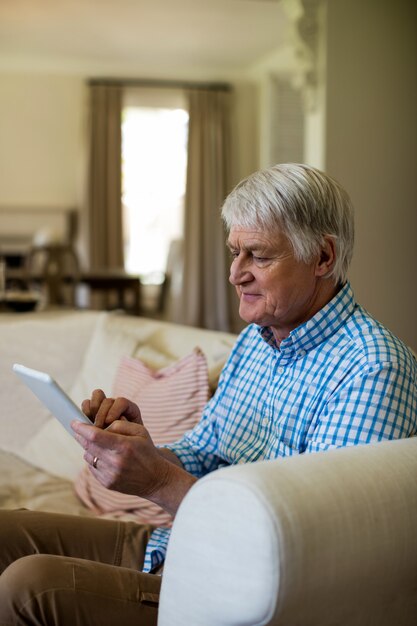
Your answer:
<point x="149" y="82"/>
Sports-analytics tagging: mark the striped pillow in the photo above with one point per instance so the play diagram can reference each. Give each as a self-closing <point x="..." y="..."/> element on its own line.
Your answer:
<point x="171" y="401"/>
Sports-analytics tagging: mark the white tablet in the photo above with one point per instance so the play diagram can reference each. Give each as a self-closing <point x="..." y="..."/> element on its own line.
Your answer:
<point x="53" y="397"/>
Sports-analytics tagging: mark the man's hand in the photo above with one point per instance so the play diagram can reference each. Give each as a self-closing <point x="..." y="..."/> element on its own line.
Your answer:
<point x="104" y="411"/>
<point x="123" y="456"/>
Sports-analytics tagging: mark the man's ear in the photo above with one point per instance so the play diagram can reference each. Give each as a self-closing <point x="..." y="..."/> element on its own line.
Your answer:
<point x="327" y="258"/>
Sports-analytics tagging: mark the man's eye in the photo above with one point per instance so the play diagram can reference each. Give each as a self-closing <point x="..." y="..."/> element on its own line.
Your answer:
<point x="260" y="259"/>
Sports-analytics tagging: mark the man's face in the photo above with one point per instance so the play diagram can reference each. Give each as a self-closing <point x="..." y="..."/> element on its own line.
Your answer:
<point x="274" y="288"/>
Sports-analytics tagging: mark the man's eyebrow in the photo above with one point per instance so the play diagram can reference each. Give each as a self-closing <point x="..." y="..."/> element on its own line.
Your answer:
<point x="230" y="245"/>
<point x="249" y="246"/>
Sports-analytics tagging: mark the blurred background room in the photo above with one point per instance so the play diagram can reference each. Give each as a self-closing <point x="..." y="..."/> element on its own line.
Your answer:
<point x="123" y="126"/>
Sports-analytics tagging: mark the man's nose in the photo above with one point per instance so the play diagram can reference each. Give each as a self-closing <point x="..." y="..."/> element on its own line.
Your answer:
<point x="239" y="273"/>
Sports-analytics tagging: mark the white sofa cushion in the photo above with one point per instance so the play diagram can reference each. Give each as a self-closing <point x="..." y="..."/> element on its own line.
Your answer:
<point x="115" y="335"/>
<point x="54" y="342"/>
<point x="158" y="344"/>
<point x="51" y="448"/>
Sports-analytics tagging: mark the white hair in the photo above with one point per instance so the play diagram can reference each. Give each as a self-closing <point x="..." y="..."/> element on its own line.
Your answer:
<point x="302" y="202"/>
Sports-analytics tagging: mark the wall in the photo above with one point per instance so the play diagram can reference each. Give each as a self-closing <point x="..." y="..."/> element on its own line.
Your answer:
<point x="369" y="124"/>
<point x="244" y="131"/>
<point x="42" y="125"/>
<point x="371" y="148"/>
<point x="43" y="130"/>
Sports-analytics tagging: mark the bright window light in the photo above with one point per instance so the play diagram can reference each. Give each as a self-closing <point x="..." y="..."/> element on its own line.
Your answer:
<point x="154" y="164"/>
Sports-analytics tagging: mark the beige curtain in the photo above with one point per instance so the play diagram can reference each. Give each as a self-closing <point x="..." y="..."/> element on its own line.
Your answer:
<point x="105" y="210"/>
<point x="206" y="292"/>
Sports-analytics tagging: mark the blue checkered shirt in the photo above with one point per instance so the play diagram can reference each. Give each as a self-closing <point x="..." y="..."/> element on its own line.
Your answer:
<point x="340" y="379"/>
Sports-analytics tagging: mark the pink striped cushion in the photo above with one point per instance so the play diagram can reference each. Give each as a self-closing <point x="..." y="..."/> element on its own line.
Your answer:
<point x="171" y="401"/>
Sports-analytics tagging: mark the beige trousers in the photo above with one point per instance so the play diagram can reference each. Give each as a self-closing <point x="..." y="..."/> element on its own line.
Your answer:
<point x="74" y="571"/>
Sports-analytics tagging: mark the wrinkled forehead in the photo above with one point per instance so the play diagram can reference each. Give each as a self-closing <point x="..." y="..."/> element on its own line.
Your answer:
<point x="252" y="237"/>
<point x="252" y="217"/>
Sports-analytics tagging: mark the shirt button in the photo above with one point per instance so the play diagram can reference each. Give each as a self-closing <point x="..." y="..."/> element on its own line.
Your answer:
<point x="301" y="353"/>
<point x="280" y="370"/>
<point x="265" y="421"/>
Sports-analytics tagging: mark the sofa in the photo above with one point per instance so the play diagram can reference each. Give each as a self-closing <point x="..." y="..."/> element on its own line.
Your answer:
<point x="315" y="540"/>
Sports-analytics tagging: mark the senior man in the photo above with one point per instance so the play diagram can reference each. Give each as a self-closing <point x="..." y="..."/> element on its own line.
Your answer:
<point x="311" y="371"/>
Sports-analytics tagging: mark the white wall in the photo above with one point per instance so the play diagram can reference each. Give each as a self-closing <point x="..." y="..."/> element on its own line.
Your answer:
<point x="371" y="148"/>
<point x="42" y="130"/>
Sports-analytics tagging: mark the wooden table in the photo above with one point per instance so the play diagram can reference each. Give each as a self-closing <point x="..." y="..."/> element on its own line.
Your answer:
<point x="127" y="287"/>
<point x="118" y="281"/>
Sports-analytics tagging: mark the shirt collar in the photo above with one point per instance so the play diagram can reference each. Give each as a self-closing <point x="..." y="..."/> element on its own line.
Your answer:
<point x="320" y="327"/>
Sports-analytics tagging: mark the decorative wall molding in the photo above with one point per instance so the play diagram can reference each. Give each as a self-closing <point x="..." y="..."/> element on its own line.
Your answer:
<point x="304" y="36"/>
<point x="286" y="143"/>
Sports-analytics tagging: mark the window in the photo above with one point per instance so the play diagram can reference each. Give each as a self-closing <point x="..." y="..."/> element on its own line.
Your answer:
<point x="154" y="164"/>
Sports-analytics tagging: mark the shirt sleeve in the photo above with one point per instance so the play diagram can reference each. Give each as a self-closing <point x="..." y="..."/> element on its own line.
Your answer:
<point x="197" y="448"/>
<point x="377" y="403"/>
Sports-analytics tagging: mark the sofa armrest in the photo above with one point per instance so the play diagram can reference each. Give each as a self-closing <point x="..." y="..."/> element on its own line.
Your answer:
<point x="327" y="539"/>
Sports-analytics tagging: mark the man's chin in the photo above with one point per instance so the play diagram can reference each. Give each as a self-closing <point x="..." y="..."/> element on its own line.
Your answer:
<point x="250" y="317"/>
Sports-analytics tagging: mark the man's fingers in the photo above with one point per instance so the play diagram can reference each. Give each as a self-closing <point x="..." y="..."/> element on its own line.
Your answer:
<point x="91" y="406"/>
<point x="124" y="427"/>
<point x="103" y="447"/>
<point x="85" y="408"/>
<point x="122" y="407"/>
<point x="102" y="413"/>
<point x="96" y="400"/>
